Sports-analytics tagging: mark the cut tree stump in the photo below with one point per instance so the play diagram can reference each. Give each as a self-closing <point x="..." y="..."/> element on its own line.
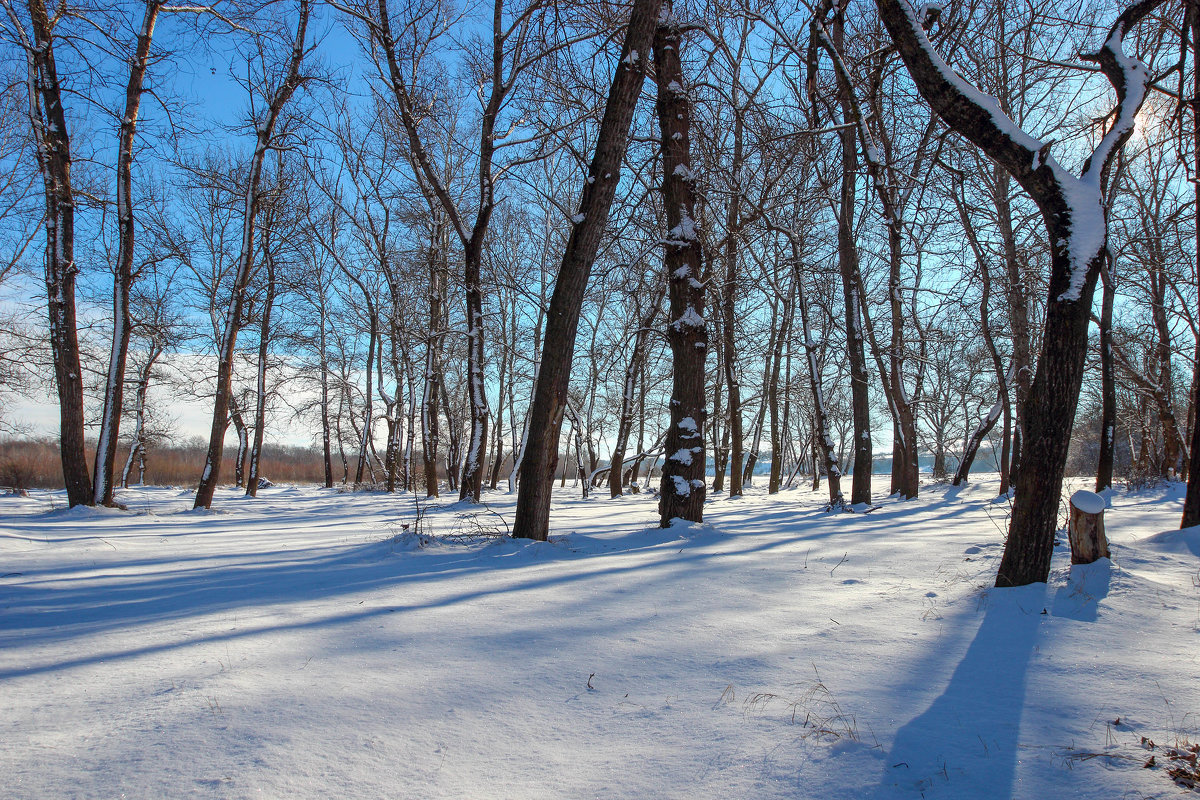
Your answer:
<point x="1086" y="528"/>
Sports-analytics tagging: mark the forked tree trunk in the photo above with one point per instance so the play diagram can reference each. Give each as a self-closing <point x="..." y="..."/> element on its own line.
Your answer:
<point x="905" y="474"/>
<point x="683" y="488"/>
<point x="1018" y="316"/>
<point x="1003" y="404"/>
<point x="124" y="273"/>
<point x="265" y="142"/>
<point x="239" y="461"/>
<point x="137" y="448"/>
<point x="825" y="453"/>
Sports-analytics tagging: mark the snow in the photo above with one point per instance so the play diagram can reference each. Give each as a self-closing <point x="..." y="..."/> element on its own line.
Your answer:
<point x="684" y="172"/>
<point x="684" y="455"/>
<point x="684" y="232"/>
<point x="1088" y="502"/>
<point x="306" y="644"/>
<point x="689" y="319"/>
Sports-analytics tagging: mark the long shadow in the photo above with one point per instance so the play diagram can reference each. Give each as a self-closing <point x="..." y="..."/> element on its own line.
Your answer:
<point x="44" y="608"/>
<point x="53" y="607"/>
<point x="965" y="744"/>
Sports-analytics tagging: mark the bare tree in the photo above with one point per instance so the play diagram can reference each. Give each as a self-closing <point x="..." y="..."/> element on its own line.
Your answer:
<point x="278" y="96"/>
<point x="683" y="489"/>
<point x="1074" y="215"/>
<point x="539" y="455"/>
<point x="48" y="122"/>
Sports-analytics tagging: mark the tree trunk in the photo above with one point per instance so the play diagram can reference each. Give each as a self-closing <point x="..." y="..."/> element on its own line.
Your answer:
<point x="1001" y="409"/>
<point x="848" y="267"/>
<point x="53" y="144"/>
<point x="124" y="273"/>
<point x="729" y="350"/>
<point x="264" y="340"/>
<point x="1018" y="315"/>
<point x="1075" y="218"/>
<point x="1108" y="384"/>
<point x="471" y="485"/>
<point x="539" y="454"/>
<point x="233" y="317"/>
<point x="433" y="364"/>
<point x="365" y="441"/>
<point x="137" y="448"/>
<point x="239" y="461"/>
<point x="326" y="451"/>
<point x="778" y="421"/>
<point x="683" y="487"/>
<point x="453" y="433"/>
<point x="823" y="441"/>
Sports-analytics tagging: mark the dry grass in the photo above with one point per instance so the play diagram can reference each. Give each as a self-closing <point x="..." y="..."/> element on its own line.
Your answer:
<point x="35" y="464"/>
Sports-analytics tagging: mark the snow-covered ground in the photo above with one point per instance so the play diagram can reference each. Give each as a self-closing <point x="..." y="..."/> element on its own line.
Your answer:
<point x="301" y="645"/>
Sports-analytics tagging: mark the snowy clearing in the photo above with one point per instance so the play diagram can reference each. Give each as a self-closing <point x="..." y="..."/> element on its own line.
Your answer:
<point x="296" y="646"/>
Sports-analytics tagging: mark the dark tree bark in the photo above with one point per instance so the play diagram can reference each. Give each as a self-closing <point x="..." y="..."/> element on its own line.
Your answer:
<point x="1108" y="384"/>
<point x="1191" y="500"/>
<point x="539" y="455"/>
<point x="848" y="268"/>
<point x="683" y="488"/>
<point x="53" y="146"/>
<point x="1075" y="218"/>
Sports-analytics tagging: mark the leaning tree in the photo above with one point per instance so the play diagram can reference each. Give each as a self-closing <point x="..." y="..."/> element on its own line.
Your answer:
<point x="1074" y="213"/>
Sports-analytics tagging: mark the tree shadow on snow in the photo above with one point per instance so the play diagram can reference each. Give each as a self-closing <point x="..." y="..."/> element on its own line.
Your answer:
<point x="66" y="604"/>
<point x="1080" y="598"/>
<point x="966" y="743"/>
